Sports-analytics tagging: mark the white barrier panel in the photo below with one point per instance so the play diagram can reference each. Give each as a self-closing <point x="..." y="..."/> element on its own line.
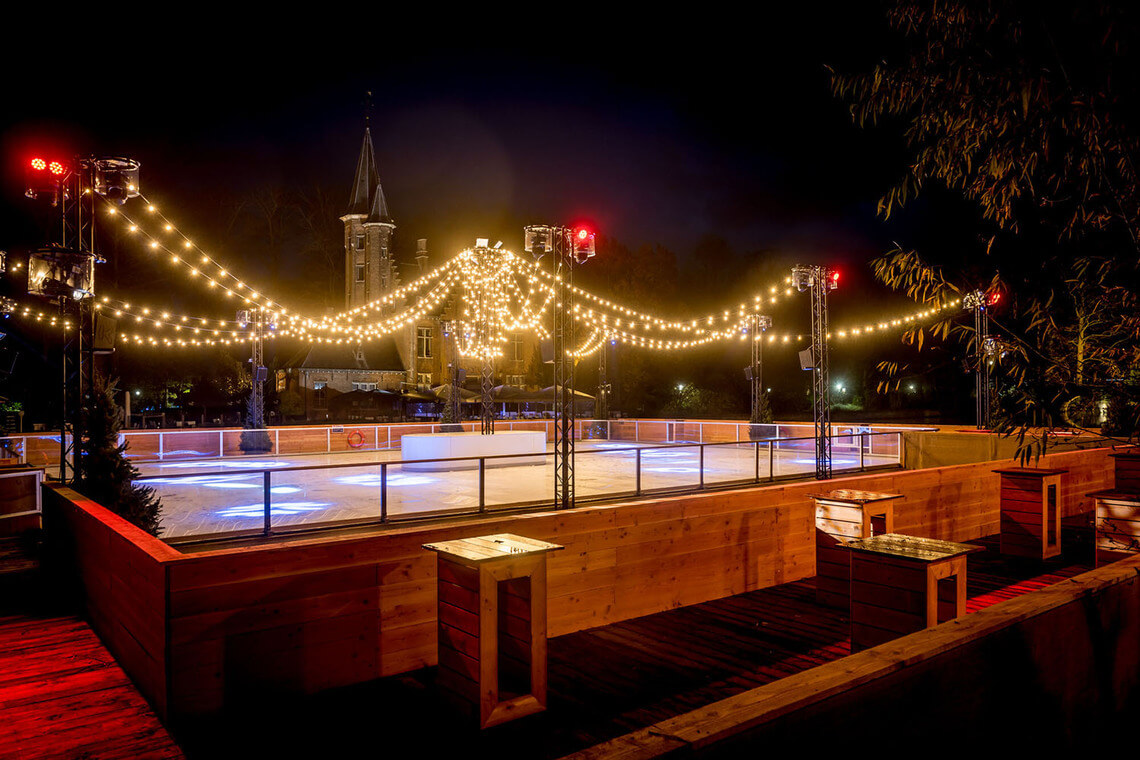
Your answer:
<point x="452" y="445"/>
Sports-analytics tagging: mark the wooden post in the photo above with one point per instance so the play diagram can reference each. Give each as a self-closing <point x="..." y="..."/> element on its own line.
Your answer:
<point x="492" y="624"/>
<point x="1030" y="512"/>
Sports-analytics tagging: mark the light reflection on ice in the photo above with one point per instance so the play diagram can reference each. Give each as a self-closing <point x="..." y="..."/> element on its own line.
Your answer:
<point x="277" y="508"/>
<point x="395" y="479"/>
<point x="241" y="464"/>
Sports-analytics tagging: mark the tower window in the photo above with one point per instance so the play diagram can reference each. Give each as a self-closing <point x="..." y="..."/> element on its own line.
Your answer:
<point x="360" y="273"/>
<point x="423" y="342"/>
<point x="516" y="348"/>
<point x="360" y="242"/>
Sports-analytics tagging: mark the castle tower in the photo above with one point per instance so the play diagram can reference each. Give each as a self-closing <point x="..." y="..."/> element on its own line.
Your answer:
<point x="370" y="269"/>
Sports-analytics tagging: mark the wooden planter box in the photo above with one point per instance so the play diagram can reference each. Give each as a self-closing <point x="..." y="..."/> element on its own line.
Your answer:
<point x="1030" y="512"/>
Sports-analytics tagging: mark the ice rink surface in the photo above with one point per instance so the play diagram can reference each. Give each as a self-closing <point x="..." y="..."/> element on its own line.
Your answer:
<point x="211" y="496"/>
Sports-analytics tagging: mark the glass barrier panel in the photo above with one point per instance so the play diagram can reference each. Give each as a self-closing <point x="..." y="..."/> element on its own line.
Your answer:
<point x="187" y="444"/>
<point x="12" y="449"/>
<point x="623" y="430"/>
<point x="670" y="467"/>
<point x="603" y="469"/>
<point x="519" y="480"/>
<point x="325" y="495"/>
<point x="302" y="440"/>
<point x="142" y="445"/>
<point x="652" y="431"/>
<point x="731" y="462"/>
<point x="793" y="457"/>
<point x="433" y="488"/>
<point x="211" y="501"/>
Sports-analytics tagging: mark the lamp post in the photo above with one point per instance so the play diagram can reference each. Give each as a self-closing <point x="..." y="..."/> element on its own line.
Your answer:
<point x="569" y="246"/>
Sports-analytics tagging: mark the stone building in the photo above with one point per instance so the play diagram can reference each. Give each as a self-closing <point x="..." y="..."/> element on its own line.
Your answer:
<point x="406" y="364"/>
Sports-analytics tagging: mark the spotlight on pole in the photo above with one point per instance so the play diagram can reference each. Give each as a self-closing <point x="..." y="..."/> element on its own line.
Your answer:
<point x="117" y="179"/>
<point x="538" y="240"/>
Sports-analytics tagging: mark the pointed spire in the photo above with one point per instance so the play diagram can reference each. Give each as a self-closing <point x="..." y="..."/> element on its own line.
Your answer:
<point x="367" y="196"/>
<point x="367" y="178"/>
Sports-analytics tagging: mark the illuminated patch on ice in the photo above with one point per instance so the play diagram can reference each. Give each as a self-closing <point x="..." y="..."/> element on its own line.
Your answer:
<point x="278" y="508"/>
<point x="834" y="462"/>
<point x="213" y="481"/>
<point x="664" y="454"/>
<point x="243" y="464"/>
<point x="395" y="479"/>
<point x="672" y="469"/>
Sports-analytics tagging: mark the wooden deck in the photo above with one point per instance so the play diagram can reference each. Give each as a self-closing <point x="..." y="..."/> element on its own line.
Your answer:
<point x="603" y="682"/>
<point x="62" y="695"/>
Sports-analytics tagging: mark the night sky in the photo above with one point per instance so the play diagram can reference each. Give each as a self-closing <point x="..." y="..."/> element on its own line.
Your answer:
<point x="661" y="132"/>
<point x="656" y="135"/>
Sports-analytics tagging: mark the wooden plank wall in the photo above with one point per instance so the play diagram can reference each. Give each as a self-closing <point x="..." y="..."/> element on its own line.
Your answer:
<point x="328" y="611"/>
<point x="123" y="572"/>
<point x="321" y="613"/>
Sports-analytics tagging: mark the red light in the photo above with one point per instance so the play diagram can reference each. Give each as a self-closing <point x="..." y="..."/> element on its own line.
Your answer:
<point x="39" y="164"/>
<point x="994" y="298"/>
<point x="835" y="276"/>
<point x="55" y="167"/>
<point x="583" y="233"/>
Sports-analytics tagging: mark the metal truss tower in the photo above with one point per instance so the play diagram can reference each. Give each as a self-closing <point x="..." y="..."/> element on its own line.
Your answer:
<point x="757" y="324"/>
<point x="977" y="302"/>
<point x="820" y="281"/>
<point x="568" y="246"/>
<point x="602" y="404"/>
<point x="65" y="273"/>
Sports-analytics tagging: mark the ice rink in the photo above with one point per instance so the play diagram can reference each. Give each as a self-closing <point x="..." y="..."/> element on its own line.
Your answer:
<point x="212" y="496"/>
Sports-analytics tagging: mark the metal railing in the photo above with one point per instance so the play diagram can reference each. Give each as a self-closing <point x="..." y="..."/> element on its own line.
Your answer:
<point x="214" y="443"/>
<point x="469" y="485"/>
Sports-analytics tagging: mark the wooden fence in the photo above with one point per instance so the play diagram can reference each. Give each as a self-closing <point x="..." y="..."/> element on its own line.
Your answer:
<point x="196" y="631"/>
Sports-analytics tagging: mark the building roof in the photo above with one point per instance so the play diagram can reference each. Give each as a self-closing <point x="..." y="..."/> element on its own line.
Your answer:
<point x="367" y="197"/>
<point x="376" y="356"/>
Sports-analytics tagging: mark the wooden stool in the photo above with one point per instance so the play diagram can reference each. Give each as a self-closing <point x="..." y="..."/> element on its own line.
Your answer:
<point x="841" y="516"/>
<point x="492" y="624"/>
<point x="1030" y="512"/>
<point x="895" y="587"/>
<point x="1117" y="524"/>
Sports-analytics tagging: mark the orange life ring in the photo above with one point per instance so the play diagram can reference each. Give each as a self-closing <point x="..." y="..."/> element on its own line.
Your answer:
<point x="356" y="439"/>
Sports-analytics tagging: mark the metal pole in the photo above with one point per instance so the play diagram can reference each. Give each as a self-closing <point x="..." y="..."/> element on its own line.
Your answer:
<point x="701" y="466"/>
<point x="482" y="484"/>
<point x="267" y="501"/>
<point x="383" y="492"/>
<point x="637" y="470"/>
<point x="862" y="443"/>
<point x="771" y="461"/>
